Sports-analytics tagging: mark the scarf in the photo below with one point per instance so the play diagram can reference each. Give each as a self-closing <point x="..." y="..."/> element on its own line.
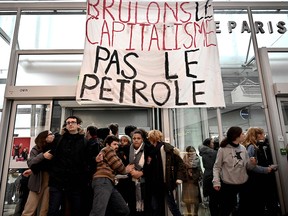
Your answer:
<point x="136" y="157"/>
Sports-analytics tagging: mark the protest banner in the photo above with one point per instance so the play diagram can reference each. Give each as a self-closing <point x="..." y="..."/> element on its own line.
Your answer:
<point x="151" y="54"/>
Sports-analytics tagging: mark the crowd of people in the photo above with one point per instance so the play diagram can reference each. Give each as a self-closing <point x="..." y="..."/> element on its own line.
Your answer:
<point x="95" y="172"/>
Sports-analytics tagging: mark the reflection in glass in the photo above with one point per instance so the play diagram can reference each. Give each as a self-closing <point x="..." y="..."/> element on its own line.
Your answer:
<point x="16" y="192"/>
<point x="187" y="127"/>
<point x="30" y="120"/>
<point x="271" y="27"/>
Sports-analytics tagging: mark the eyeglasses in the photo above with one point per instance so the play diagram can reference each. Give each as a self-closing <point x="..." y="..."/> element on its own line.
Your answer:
<point x="72" y="122"/>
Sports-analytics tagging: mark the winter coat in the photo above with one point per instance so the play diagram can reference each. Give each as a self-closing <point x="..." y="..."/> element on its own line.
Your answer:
<point x="172" y="164"/>
<point x="174" y="168"/>
<point x="36" y="163"/>
<point x="208" y="159"/>
<point x="69" y="163"/>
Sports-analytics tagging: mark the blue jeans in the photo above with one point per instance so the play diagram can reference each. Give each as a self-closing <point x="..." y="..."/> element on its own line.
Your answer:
<point x="69" y="201"/>
<point x="107" y="200"/>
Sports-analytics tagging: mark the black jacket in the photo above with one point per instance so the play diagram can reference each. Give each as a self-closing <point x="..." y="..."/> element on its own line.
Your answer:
<point x="69" y="164"/>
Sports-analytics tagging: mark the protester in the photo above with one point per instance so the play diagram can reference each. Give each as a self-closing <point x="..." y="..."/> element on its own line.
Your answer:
<point x="38" y="162"/>
<point x="107" y="200"/>
<point x="230" y="172"/>
<point x="68" y="176"/>
<point x="208" y="154"/>
<point x="264" y="200"/>
<point x="190" y="190"/>
<point x="164" y="170"/>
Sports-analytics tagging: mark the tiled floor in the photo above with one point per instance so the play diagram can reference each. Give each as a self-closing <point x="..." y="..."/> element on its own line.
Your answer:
<point x="203" y="210"/>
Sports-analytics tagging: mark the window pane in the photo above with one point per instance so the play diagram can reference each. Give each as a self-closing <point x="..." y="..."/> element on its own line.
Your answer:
<point x="7" y="22"/>
<point x="46" y="70"/>
<point x="233" y="54"/>
<point x="279" y="64"/>
<point x="240" y="76"/>
<point x="187" y="127"/>
<point x="271" y="27"/>
<point x="52" y="30"/>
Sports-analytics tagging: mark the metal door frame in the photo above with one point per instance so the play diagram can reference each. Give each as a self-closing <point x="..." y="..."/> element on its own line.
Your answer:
<point x="279" y="100"/>
<point x="9" y="137"/>
<point x="273" y="119"/>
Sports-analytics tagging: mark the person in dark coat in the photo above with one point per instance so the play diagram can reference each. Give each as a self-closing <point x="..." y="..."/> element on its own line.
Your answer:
<point x="94" y="145"/>
<point x="23" y="190"/>
<point x="208" y="154"/>
<point x="114" y="127"/>
<point x="102" y="133"/>
<point x="262" y="185"/>
<point x="123" y="184"/>
<point x="135" y="187"/>
<point x="162" y="176"/>
<point x="129" y="129"/>
<point x="68" y="176"/>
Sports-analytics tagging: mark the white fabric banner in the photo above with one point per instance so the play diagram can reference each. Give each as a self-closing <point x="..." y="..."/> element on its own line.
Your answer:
<point x="151" y="54"/>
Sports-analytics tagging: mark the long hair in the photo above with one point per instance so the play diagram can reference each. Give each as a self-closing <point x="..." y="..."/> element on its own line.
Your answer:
<point x="40" y="140"/>
<point x="190" y="149"/>
<point x="251" y="136"/>
<point x="232" y="134"/>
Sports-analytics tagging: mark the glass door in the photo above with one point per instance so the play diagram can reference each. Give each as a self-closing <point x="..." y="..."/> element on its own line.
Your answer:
<point x="283" y="112"/>
<point x="28" y="118"/>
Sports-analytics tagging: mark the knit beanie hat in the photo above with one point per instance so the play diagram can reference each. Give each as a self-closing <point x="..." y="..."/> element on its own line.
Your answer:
<point x="128" y="138"/>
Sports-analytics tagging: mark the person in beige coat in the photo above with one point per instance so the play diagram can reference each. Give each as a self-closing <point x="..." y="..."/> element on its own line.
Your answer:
<point x="191" y="191"/>
<point x="38" y="180"/>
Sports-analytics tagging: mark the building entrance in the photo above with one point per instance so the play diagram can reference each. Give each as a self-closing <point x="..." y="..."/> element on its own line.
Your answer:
<point x="27" y="119"/>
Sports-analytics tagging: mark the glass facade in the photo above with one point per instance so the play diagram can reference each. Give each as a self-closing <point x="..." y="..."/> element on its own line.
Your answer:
<point x="241" y="85"/>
